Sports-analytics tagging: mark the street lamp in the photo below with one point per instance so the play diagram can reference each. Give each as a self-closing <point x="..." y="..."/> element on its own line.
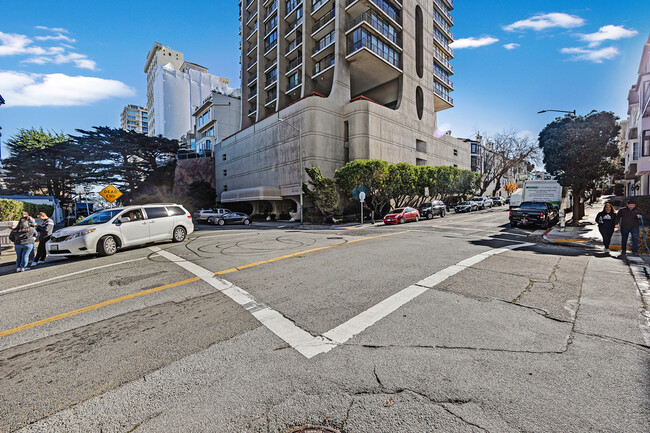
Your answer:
<point x="558" y="111"/>
<point x="299" y="161"/>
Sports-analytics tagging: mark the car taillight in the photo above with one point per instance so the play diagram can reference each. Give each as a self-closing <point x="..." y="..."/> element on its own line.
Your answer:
<point x="510" y="212"/>
<point x="541" y="214"/>
<point x="189" y="216"/>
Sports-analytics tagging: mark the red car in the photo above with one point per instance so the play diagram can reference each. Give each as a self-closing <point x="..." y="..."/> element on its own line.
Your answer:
<point x="400" y="216"/>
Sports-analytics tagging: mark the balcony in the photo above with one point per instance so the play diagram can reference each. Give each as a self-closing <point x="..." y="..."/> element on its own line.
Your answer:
<point x="294" y="84"/>
<point x="270" y="10"/>
<point x="295" y="63"/>
<point x="253" y="95"/>
<point x="371" y="65"/>
<point x="443" y="61"/>
<point x="250" y="16"/>
<point x="323" y="43"/>
<point x="445" y="80"/>
<point x="271" y="98"/>
<point x="292" y="5"/>
<point x="269" y="46"/>
<point x="270" y="82"/>
<point x="251" y="64"/>
<point x="317" y="5"/>
<point x="323" y="21"/>
<point x="293" y="25"/>
<point x="270" y="64"/>
<point x="293" y="45"/>
<point x="252" y="79"/>
<point x="369" y="44"/>
<point x="324" y="64"/>
<point x="252" y="111"/>
<point x="444" y="26"/>
<point x="442" y="100"/>
<point x="371" y="18"/>
<point x="248" y="3"/>
<point x="354" y="7"/>
<point x="444" y="44"/>
<point x="444" y="11"/>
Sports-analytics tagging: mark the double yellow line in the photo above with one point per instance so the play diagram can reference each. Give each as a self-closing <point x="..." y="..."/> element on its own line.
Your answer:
<point x="180" y="283"/>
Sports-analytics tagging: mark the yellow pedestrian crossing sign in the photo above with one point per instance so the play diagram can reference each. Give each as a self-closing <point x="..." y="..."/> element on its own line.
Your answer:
<point x="110" y="193"/>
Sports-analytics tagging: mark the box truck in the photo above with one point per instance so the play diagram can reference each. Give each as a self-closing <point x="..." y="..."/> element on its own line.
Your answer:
<point x="542" y="190"/>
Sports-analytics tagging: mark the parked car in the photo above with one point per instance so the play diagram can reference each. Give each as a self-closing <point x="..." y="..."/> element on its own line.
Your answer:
<point x="497" y="201"/>
<point x="105" y="232"/>
<point x="231" y="218"/>
<point x="402" y="215"/>
<point x="204" y="214"/>
<point x="432" y="208"/>
<point x="538" y="213"/>
<point x="483" y="202"/>
<point x="466" y="206"/>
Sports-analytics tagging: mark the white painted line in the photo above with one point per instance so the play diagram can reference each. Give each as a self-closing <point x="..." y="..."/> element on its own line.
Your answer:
<point x="296" y="337"/>
<point x="364" y="320"/>
<point x="13" y="289"/>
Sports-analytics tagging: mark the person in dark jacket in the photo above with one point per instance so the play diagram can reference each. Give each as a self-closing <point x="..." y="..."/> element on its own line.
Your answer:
<point x="23" y="237"/>
<point x="44" y="229"/>
<point x="606" y="221"/>
<point x="32" y="223"/>
<point x="629" y="220"/>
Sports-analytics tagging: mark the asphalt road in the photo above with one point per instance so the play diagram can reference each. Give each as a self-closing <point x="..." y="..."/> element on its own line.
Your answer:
<point x="450" y="325"/>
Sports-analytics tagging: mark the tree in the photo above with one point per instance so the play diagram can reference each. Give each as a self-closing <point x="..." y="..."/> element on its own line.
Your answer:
<point x="510" y="187"/>
<point x="371" y="174"/>
<point x="579" y="150"/>
<point x="401" y="185"/>
<point x="502" y="153"/>
<point x="465" y="183"/>
<point x="202" y="193"/>
<point x="44" y="163"/>
<point x="322" y="193"/>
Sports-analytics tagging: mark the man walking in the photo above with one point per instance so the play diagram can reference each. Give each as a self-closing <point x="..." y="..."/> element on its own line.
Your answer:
<point x="45" y="229"/>
<point x="628" y="219"/>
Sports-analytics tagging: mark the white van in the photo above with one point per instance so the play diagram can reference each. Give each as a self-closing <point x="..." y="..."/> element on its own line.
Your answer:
<point x="106" y="231"/>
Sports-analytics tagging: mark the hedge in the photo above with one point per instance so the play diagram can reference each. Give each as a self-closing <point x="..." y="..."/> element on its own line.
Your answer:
<point x="10" y="210"/>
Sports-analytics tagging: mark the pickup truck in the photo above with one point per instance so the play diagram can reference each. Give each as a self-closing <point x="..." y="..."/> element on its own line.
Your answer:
<point x="538" y="213"/>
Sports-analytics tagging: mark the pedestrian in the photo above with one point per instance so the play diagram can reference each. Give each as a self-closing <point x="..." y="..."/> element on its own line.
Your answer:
<point x="32" y="223"/>
<point x="23" y="237"/>
<point x="628" y="219"/>
<point x="44" y="229"/>
<point x="606" y="221"/>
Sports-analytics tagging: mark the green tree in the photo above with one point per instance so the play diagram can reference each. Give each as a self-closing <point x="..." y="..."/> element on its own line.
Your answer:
<point x="322" y="193"/>
<point x="202" y="194"/>
<point x="401" y="186"/>
<point x="44" y="163"/>
<point x="579" y="150"/>
<point x="371" y="174"/>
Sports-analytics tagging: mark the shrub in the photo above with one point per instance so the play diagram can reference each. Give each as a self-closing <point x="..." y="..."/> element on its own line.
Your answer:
<point x="10" y="210"/>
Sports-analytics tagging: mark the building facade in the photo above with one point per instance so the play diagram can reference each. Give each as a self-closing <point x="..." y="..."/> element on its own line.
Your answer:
<point x="635" y="130"/>
<point x="158" y="56"/>
<point x="135" y="118"/>
<point x="350" y="79"/>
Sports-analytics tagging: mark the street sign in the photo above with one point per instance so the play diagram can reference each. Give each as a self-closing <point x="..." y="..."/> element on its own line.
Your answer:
<point x="362" y="196"/>
<point x="110" y="193"/>
<point x="426" y="191"/>
<point x="78" y="189"/>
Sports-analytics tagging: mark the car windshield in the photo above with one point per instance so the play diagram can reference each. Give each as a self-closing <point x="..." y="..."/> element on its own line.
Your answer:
<point x="466" y="203"/>
<point x="99" y="218"/>
<point x="477" y="199"/>
<point x="531" y="205"/>
<point x="397" y="211"/>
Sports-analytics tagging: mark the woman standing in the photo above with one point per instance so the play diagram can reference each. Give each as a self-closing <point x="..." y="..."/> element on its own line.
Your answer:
<point x="606" y="221"/>
<point x="23" y="237"/>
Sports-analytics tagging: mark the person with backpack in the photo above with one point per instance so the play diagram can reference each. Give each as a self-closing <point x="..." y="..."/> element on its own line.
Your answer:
<point x="629" y="220"/>
<point x="606" y="221"/>
<point x="44" y="229"/>
<point x="23" y="237"/>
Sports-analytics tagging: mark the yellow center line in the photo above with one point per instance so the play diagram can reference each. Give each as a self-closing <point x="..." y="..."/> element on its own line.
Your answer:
<point x="96" y="306"/>
<point x="179" y="283"/>
<point x="287" y="256"/>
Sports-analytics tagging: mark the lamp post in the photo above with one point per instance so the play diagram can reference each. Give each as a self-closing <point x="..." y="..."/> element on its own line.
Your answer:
<point x="299" y="162"/>
<point x="558" y="111"/>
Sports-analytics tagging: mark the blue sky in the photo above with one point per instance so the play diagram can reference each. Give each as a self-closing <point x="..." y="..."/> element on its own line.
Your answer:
<point x="67" y="65"/>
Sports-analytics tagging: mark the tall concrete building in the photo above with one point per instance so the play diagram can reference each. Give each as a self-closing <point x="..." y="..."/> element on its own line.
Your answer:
<point x="635" y="130"/>
<point x="135" y="118"/>
<point x="360" y="79"/>
<point x="159" y="55"/>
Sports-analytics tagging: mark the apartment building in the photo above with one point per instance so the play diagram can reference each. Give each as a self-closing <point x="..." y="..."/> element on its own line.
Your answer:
<point x="135" y="118"/>
<point x="635" y="130"/>
<point x="159" y="55"/>
<point x="350" y="79"/>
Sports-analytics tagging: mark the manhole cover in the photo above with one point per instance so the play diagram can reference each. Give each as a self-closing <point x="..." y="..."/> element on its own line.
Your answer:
<point x="313" y="429"/>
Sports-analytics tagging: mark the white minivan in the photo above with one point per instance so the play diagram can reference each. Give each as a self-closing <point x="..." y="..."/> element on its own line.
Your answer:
<point x="106" y="231"/>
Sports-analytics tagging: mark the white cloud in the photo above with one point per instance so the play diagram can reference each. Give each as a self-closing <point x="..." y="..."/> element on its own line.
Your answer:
<point x="60" y="56"/>
<point x="511" y="46"/>
<point x="591" y="55"/>
<point x="546" y="21"/>
<point x="38" y="90"/>
<point x="13" y="44"/>
<point x="58" y="37"/>
<point x="608" y="33"/>
<point x="52" y="29"/>
<point x="473" y="42"/>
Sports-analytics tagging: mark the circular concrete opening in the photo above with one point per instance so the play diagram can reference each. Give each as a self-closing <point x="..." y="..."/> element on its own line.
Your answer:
<point x="312" y="429"/>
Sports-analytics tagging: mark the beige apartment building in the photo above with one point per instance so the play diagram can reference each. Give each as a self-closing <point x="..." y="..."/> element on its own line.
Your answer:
<point x="159" y="55"/>
<point x="135" y="118"/>
<point x="326" y="82"/>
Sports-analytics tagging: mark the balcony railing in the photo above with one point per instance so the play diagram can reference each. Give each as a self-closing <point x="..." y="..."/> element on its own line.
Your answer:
<point x="294" y="63"/>
<point x="444" y="43"/>
<point x="248" y="3"/>
<point x="272" y="97"/>
<point x="293" y="83"/>
<point x="270" y="46"/>
<point x="323" y="20"/>
<point x="252" y="79"/>
<point x="251" y="64"/>
<point x="381" y="4"/>
<point x="324" y="42"/>
<point x="444" y="26"/>
<point x="372" y="46"/>
<point x="317" y="4"/>
<point x="270" y="9"/>
<point x="270" y="64"/>
<point x="325" y="63"/>
<point x="443" y="94"/>
<point x="443" y="78"/>
<point x="292" y="5"/>
<point x="292" y="26"/>
<point x="376" y="23"/>
<point x="443" y="60"/>
<point x="444" y="10"/>
<point x="292" y="46"/>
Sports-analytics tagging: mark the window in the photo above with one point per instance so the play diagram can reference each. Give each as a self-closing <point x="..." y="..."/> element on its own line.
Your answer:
<point x="455" y="152"/>
<point x="156" y="212"/>
<point x="419" y="161"/>
<point x="175" y="210"/>
<point x="645" y="149"/>
<point x="225" y="173"/>
<point x="225" y="187"/>
<point x="223" y="157"/>
<point x="419" y="45"/>
<point x="271" y="40"/>
<point x="346" y="131"/>
<point x="635" y="151"/>
<point x="421" y="146"/>
<point x="455" y="165"/>
<point x="419" y="102"/>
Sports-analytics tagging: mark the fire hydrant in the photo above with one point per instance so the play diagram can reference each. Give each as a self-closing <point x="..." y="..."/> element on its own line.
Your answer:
<point x="562" y="221"/>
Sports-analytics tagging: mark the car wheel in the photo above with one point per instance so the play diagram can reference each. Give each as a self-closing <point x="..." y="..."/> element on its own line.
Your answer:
<point x="246" y="222"/>
<point x="179" y="234"/>
<point x="430" y="215"/>
<point x="221" y="222"/>
<point x="442" y="213"/>
<point x="417" y="219"/>
<point x="402" y="221"/>
<point x="107" y="246"/>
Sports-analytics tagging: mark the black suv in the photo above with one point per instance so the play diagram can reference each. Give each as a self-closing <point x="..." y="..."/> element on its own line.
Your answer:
<point x="432" y="208"/>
